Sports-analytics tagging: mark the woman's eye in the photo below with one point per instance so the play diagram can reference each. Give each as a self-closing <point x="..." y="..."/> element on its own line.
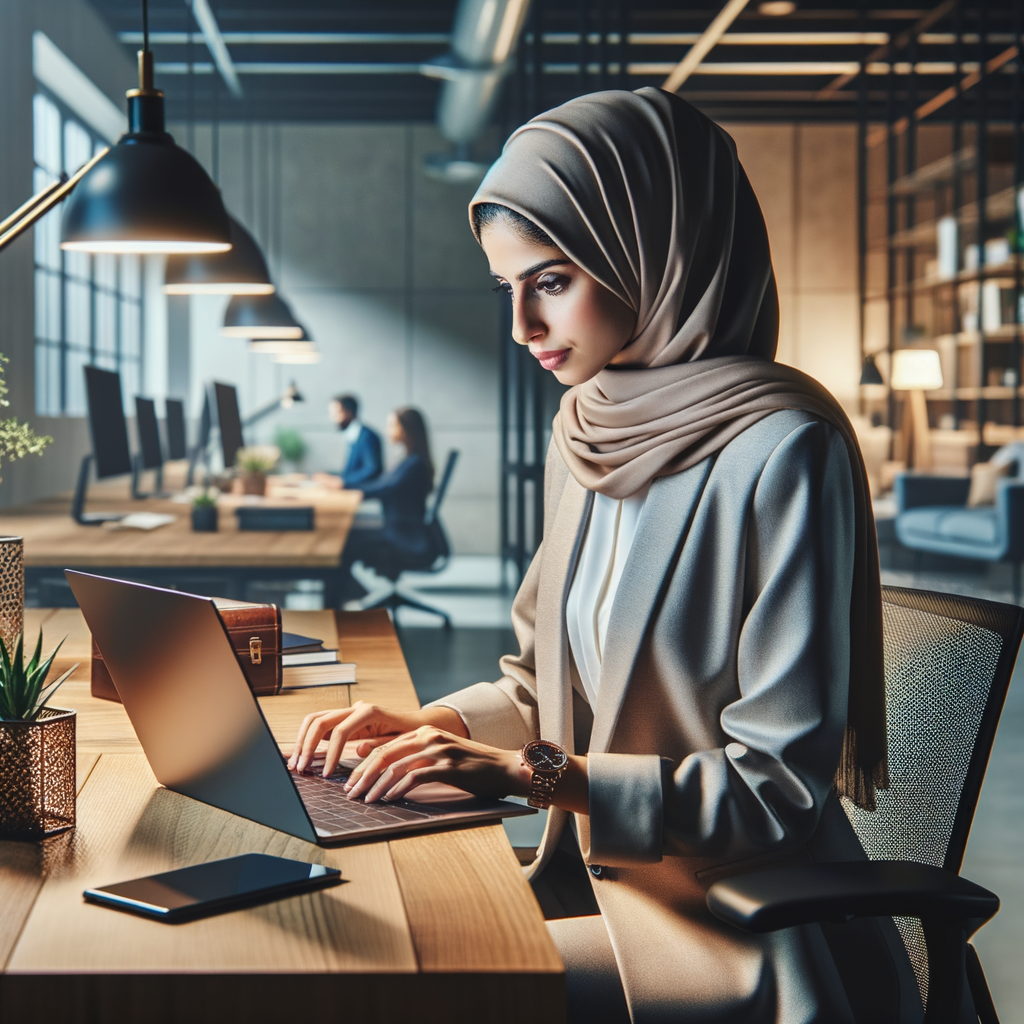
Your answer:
<point x="552" y="284"/>
<point x="503" y="287"/>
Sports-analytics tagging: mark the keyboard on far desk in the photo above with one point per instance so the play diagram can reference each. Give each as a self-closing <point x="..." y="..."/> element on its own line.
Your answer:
<point x="334" y="814"/>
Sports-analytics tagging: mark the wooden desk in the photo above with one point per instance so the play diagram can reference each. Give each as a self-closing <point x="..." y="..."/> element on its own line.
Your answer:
<point x="172" y="555"/>
<point x="430" y="928"/>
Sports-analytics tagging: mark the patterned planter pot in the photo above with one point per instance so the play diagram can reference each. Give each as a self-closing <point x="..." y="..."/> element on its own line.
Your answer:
<point x="37" y="775"/>
<point x="12" y="589"/>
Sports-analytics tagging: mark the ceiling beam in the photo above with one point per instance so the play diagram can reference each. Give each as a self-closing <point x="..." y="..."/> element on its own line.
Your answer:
<point x="700" y="49"/>
<point x="883" y="51"/>
<point x="216" y="45"/>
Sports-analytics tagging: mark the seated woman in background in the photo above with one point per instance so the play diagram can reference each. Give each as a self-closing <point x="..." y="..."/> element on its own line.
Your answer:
<point x="402" y="493"/>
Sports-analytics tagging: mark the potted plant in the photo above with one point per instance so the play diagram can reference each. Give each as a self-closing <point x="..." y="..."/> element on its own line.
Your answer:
<point x="254" y="463"/>
<point x="37" y="748"/>
<point x="204" y="512"/>
<point x="292" y="446"/>
<point x="16" y="441"/>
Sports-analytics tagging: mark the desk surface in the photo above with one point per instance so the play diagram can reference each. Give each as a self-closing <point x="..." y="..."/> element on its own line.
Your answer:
<point x="435" y="927"/>
<point x="53" y="539"/>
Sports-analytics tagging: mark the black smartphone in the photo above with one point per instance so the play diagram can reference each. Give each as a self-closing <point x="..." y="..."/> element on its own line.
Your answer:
<point x="211" y="888"/>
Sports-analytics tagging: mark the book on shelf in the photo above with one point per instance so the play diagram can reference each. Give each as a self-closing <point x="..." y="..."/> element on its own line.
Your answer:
<point x="302" y="677"/>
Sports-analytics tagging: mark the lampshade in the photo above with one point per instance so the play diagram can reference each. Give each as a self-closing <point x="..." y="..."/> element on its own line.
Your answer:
<point x="869" y="372"/>
<point x="295" y="358"/>
<point x="916" y="369"/>
<point x="260" y="316"/>
<point x="147" y="194"/>
<point x="240" y="271"/>
<point x="281" y="346"/>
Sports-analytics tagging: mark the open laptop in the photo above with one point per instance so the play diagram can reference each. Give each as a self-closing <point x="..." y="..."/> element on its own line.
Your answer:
<point x="204" y="733"/>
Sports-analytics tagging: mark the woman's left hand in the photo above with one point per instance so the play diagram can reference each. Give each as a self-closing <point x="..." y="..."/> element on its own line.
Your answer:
<point x="394" y="766"/>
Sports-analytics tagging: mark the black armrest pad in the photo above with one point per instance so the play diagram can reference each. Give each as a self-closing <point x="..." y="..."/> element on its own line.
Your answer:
<point x="914" y="490"/>
<point x="764" y="901"/>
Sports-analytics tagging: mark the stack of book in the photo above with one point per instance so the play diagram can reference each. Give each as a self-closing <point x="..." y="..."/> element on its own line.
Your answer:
<point x="306" y="662"/>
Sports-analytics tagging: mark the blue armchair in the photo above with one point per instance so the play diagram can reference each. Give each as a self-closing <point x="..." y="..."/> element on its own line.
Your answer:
<point x="932" y="515"/>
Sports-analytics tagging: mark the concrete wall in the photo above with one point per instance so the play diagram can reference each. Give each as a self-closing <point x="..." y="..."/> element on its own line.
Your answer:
<point x="75" y="27"/>
<point x="805" y="177"/>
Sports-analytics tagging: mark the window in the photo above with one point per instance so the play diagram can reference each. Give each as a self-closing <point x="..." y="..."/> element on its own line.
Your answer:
<point x="88" y="308"/>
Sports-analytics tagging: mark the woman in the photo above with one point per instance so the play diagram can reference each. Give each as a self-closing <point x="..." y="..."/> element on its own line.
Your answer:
<point x="402" y="493"/>
<point x="701" y="627"/>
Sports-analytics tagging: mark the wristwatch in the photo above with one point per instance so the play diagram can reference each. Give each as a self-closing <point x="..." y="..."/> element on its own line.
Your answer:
<point x="548" y="762"/>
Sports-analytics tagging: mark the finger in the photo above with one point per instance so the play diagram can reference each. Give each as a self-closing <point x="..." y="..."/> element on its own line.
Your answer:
<point x="367" y="746"/>
<point x="340" y="729"/>
<point x="394" y="773"/>
<point x="378" y="762"/>
<point x="437" y="772"/>
<point x="321" y="727"/>
<point x="303" y="728"/>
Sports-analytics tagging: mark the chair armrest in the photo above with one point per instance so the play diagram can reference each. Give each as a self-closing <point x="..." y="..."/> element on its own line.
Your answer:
<point x="915" y="491"/>
<point x="764" y="901"/>
<point x="1010" y="501"/>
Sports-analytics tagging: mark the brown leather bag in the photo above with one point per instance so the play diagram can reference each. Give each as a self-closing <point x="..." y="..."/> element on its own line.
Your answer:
<point x="255" y="632"/>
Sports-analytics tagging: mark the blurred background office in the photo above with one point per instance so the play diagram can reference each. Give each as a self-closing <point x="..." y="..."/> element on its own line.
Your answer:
<point x="347" y="138"/>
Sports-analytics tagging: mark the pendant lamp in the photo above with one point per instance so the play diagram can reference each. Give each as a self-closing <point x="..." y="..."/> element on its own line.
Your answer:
<point x="146" y="195"/>
<point x="241" y="271"/>
<point x="295" y="358"/>
<point x="260" y="316"/>
<point x="281" y="346"/>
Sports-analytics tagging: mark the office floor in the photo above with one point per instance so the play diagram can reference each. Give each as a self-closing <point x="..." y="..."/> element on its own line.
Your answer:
<point x="443" y="661"/>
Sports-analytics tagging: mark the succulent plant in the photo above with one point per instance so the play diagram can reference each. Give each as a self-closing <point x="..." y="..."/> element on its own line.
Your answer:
<point x="205" y="499"/>
<point x="260" y="458"/>
<point x="22" y="693"/>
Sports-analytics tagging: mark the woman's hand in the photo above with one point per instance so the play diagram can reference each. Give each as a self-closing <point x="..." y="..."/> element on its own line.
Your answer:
<point x="430" y="754"/>
<point x="363" y="721"/>
<point x="329" y="481"/>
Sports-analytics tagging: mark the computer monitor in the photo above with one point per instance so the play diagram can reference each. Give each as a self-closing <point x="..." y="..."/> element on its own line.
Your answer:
<point x="109" y="433"/>
<point x="107" y="425"/>
<point x="177" y="445"/>
<point x="229" y="421"/>
<point x="149" y="433"/>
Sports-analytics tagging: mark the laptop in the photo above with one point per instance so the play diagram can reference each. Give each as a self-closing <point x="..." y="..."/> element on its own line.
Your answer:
<point x="205" y="736"/>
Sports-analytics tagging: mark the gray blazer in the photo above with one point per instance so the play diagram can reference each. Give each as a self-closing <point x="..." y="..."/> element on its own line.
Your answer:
<point x="718" y="726"/>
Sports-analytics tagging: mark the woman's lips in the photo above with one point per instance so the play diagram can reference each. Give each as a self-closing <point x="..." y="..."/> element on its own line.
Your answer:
<point x="552" y="359"/>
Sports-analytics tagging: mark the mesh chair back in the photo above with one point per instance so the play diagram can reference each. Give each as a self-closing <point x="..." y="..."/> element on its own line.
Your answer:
<point x="948" y="662"/>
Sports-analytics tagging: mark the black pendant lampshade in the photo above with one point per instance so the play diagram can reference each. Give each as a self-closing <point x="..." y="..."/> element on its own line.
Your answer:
<point x="147" y="195"/>
<point x="869" y="373"/>
<point x="241" y="271"/>
<point x="260" y="316"/>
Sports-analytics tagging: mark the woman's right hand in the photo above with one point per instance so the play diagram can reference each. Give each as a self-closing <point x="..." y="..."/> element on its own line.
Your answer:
<point x="368" y="722"/>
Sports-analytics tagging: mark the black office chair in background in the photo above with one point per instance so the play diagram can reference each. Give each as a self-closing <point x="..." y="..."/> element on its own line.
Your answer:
<point x="434" y="560"/>
<point x="948" y="662"/>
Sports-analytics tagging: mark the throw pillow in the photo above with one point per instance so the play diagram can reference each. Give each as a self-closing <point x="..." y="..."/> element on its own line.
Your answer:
<point x="984" y="477"/>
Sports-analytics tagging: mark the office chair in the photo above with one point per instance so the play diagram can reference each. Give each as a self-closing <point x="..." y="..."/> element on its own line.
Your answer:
<point x="948" y="662"/>
<point x="434" y="560"/>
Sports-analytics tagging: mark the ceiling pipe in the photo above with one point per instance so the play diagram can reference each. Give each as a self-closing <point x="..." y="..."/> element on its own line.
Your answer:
<point x="484" y="38"/>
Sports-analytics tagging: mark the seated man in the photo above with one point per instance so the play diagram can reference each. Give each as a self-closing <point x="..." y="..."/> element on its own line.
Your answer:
<point x="364" y="462"/>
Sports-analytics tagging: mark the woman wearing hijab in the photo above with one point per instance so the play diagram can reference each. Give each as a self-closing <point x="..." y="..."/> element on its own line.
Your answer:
<point x="700" y="631"/>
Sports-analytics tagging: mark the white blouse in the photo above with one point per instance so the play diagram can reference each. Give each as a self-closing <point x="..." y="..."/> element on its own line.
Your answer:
<point x="606" y="547"/>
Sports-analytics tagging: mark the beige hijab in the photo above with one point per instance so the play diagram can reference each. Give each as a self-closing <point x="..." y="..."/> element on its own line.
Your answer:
<point x="648" y="196"/>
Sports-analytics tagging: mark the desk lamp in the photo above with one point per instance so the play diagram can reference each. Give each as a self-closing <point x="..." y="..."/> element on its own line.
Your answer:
<point x="286" y="401"/>
<point x="916" y="370"/>
<point x="144" y="195"/>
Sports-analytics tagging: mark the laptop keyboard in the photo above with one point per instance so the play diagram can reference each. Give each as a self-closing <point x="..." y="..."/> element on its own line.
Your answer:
<point x="334" y="814"/>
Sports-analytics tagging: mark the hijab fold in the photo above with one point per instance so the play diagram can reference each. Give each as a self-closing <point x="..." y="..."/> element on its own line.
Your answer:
<point x="647" y="195"/>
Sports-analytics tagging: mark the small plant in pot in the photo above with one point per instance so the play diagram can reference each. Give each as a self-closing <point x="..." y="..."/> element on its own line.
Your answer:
<point x="37" y="748"/>
<point x="254" y="463"/>
<point x="204" y="512"/>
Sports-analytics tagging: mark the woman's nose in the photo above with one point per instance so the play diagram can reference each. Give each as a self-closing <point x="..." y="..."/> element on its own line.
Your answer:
<point x="526" y="325"/>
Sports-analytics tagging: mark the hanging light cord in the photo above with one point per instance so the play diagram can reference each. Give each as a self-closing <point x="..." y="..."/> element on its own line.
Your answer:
<point x="145" y="24"/>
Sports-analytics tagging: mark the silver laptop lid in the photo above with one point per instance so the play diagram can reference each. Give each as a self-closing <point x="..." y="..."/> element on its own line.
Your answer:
<point x="183" y="689"/>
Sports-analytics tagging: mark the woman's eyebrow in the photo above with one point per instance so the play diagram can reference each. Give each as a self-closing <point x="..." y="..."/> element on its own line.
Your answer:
<point x="535" y="269"/>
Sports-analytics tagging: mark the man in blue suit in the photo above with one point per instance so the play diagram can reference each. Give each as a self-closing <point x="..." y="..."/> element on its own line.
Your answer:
<point x="364" y="448"/>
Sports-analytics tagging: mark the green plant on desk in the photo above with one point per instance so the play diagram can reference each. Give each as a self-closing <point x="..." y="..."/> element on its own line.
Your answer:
<point x="17" y="439"/>
<point x="22" y="693"/>
<point x="261" y="458"/>
<point x="291" y="445"/>
<point x="208" y="499"/>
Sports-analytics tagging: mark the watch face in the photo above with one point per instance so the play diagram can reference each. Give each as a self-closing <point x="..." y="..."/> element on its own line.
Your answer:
<point x="545" y="757"/>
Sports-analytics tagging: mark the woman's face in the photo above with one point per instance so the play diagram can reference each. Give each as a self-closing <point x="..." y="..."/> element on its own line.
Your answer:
<point x="570" y="322"/>
<point x="396" y="435"/>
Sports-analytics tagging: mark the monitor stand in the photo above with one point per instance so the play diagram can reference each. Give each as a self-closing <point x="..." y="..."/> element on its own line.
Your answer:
<point x="137" y="470"/>
<point x="78" y="504"/>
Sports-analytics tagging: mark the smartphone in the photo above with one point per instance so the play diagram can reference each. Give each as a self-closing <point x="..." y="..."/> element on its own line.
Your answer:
<point x="212" y="888"/>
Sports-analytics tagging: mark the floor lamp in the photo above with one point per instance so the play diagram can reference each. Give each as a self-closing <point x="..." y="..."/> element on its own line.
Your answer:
<point x="916" y="370"/>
